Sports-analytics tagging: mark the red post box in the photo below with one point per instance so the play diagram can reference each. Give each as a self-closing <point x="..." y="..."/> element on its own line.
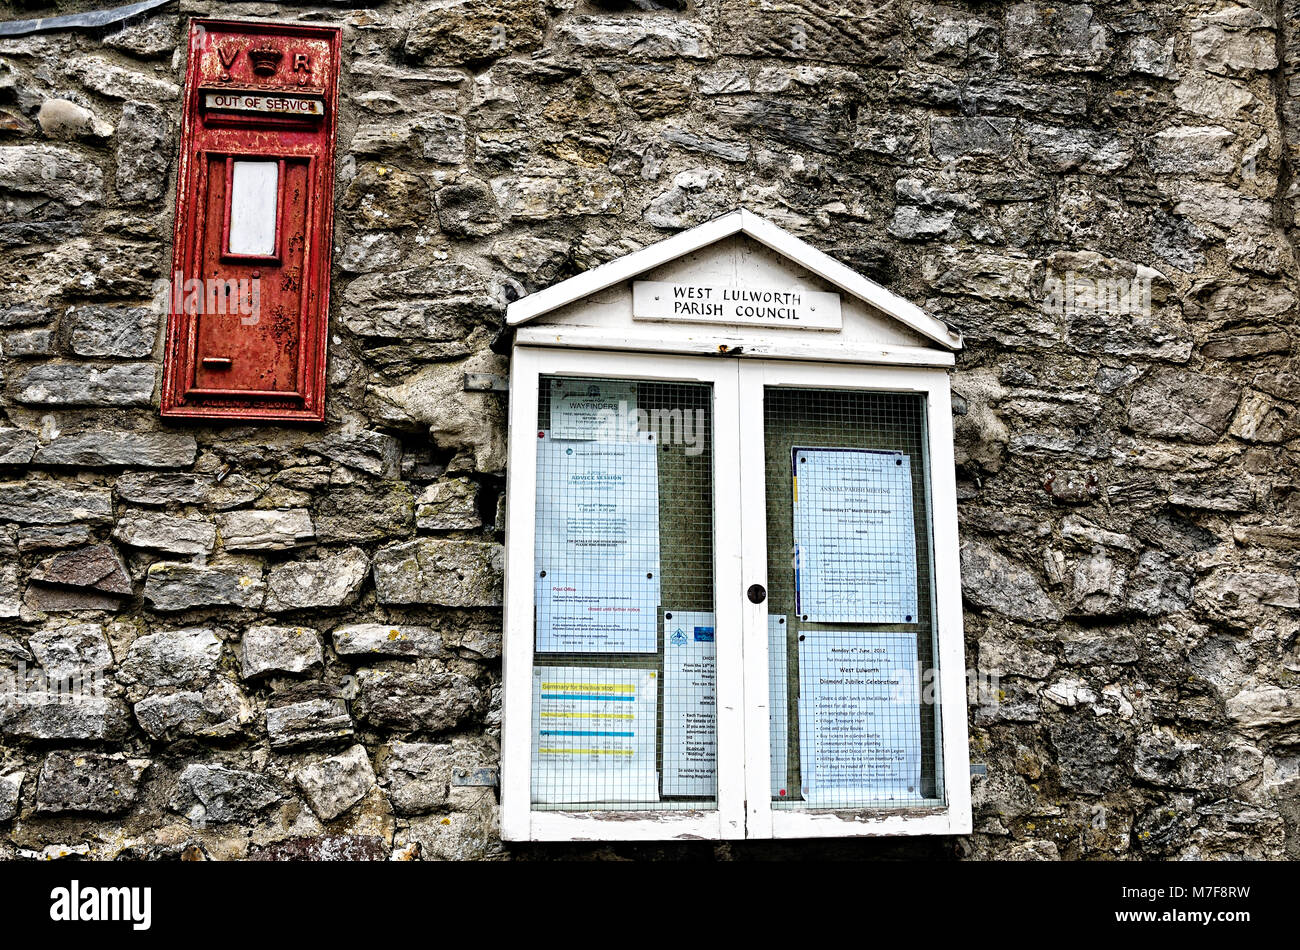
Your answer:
<point x="249" y="308"/>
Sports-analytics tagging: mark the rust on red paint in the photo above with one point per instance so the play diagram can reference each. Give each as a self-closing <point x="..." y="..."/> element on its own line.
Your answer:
<point x="246" y="333"/>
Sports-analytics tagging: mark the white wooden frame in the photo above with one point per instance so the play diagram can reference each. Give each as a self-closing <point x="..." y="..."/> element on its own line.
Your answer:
<point x="744" y="805"/>
<point x="567" y="330"/>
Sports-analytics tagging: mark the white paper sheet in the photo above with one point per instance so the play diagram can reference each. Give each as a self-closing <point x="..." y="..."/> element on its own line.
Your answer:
<point x="594" y="735"/>
<point x="855" y="542"/>
<point x="690" y="758"/>
<point x="778" y="699"/>
<point x="593" y="409"/>
<point x="598" y="544"/>
<point x="859" y="718"/>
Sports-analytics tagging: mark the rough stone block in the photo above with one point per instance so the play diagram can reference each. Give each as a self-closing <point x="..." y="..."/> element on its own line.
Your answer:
<point x="49" y="715"/>
<point x="467" y="208"/>
<point x="366" y="450"/>
<point x="860" y="32"/>
<point x="64" y="119"/>
<point x="387" y="639"/>
<point x="381" y="197"/>
<point x="175" y="659"/>
<point x="10" y="591"/>
<point x="994" y="582"/>
<point x="143" y="153"/>
<point x="1220" y="49"/>
<point x="17" y="446"/>
<point x="952" y="138"/>
<point x="417" y="776"/>
<point x="89" y="782"/>
<point x="1063" y="37"/>
<point x="171" y="488"/>
<point x="281" y="651"/>
<point x="107" y="78"/>
<point x="170" y="587"/>
<point x="159" y="532"/>
<point x="79" y="384"/>
<point x="324" y="848"/>
<point x="224" y="794"/>
<point x="476" y="31"/>
<point x="10" y="787"/>
<point x="329" y="581"/>
<point x="333" y="785"/>
<point x="107" y="448"/>
<point x="266" y="530"/>
<point x="1069" y="150"/>
<point x="434" y="571"/>
<point x="448" y="506"/>
<point x="95" y="567"/>
<point x="54" y="503"/>
<point x="113" y="331"/>
<point x="52" y="172"/>
<point x="28" y="343"/>
<point x="538" y="198"/>
<point x="949" y="34"/>
<point x="217" y="712"/>
<point x="308" y="722"/>
<point x="434" y="397"/>
<point x="361" y="512"/>
<point x="417" y="702"/>
<point x="1180" y="404"/>
<point x="468" y="834"/>
<point x="1266" y="710"/>
<point x="75" y="650"/>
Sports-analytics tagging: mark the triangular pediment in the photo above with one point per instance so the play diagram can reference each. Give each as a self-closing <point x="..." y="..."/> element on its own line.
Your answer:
<point x="740" y="255"/>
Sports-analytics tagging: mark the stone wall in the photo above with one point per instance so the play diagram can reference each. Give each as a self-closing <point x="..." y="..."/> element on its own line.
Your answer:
<point x="296" y="631"/>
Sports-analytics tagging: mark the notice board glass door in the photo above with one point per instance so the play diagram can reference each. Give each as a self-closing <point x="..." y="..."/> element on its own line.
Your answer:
<point x="847" y="703"/>
<point x="851" y="638"/>
<point x="624" y="690"/>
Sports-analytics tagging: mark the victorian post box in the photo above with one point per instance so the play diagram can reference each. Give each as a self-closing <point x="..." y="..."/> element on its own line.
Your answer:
<point x="249" y="305"/>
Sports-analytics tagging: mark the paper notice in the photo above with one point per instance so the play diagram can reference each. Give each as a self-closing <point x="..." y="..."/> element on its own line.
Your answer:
<point x="597" y="546"/>
<point x="855" y="539"/>
<point x="859" y="717"/>
<point x="593" y="735"/>
<point x="593" y="409"/>
<point x="690" y="701"/>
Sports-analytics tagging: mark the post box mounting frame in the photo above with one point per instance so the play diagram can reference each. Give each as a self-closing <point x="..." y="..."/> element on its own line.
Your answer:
<point x="309" y="139"/>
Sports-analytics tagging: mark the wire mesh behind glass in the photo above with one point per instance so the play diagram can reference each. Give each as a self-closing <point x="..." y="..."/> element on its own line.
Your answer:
<point x="852" y="639"/>
<point x="624" y="676"/>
